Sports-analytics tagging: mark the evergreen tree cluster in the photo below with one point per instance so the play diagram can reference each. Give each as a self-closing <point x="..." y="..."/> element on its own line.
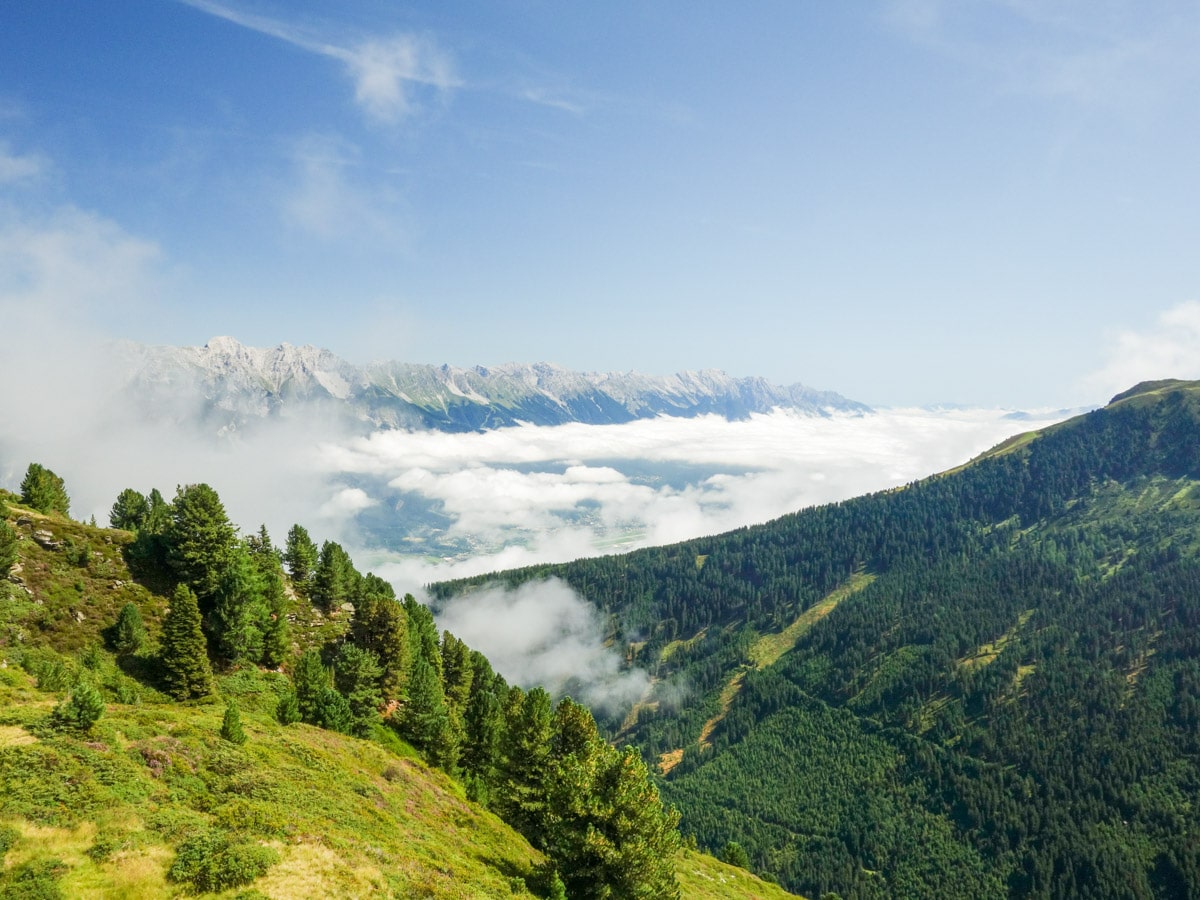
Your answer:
<point x="594" y="810"/>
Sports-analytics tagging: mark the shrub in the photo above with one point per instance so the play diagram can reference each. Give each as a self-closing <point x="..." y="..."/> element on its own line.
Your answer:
<point x="81" y="710"/>
<point x="35" y="880"/>
<point x="287" y="710"/>
<point x="8" y="837"/>
<point x="211" y="861"/>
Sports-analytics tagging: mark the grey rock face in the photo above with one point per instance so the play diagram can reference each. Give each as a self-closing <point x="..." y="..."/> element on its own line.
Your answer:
<point x="229" y="386"/>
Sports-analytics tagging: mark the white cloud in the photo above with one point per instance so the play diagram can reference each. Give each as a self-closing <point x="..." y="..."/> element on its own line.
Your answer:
<point x="15" y="168"/>
<point x="543" y="633"/>
<point x="1169" y="348"/>
<point x="518" y="496"/>
<point x="385" y="70"/>
<point x="345" y="503"/>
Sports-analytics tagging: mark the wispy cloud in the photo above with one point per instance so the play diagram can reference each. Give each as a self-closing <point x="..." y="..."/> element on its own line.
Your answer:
<point x="16" y="168"/>
<point x="1168" y="348"/>
<point x="543" y="633"/>
<point x="385" y="70"/>
<point x="325" y="200"/>
<point x="1120" y="53"/>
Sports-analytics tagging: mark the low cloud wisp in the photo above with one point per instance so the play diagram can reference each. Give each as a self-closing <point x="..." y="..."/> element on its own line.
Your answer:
<point x="543" y="633"/>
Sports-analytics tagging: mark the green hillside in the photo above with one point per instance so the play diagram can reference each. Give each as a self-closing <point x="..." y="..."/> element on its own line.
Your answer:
<point x="157" y="797"/>
<point x="983" y="684"/>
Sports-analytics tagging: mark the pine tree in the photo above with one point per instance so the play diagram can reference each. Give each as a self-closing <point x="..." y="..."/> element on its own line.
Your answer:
<point x="202" y="540"/>
<point x="239" y="614"/>
<point x="456" y="671"/>
<point x="310" y="681"/>
<point x="334" y="712"/>
<point x="287" y="710"/>
<point x="525" y="763"/>
<point x="277" y="639"/>
<point x="423" y="721"/>
<point x="356" y="675"/>
<point x="231" y="725"/>
<point x="44" y="491"/>
<point x="300" y="555"/>
<point x="130" y="510"/>
<point x="483" y="726"/>
<point x="381" y="626"/>
<point x="81" y="710"/>
<point x="336" y="580"/>
<point x="152" y="543"/>
<point x="183" y="651"/>
<point x="129" y="632"/>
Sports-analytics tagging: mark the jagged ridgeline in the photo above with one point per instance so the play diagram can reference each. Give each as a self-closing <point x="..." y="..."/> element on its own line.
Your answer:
<point x="185" y="710"/>
<point x="986" y="683"/>
<point x="230" y="386"/>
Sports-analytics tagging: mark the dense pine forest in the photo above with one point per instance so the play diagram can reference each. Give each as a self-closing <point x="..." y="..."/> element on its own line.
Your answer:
<point x="982" y="684"/>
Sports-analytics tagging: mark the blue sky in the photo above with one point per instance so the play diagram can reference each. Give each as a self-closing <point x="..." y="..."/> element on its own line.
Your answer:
<point x="980" y="201"/>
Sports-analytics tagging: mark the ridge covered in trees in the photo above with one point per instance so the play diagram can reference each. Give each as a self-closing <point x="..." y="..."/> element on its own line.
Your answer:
<point x="982" y="684"/>
<point x="375" y="667"/>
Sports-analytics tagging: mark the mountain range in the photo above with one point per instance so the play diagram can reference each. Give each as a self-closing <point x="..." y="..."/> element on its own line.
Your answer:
<point x="230" y="386"/>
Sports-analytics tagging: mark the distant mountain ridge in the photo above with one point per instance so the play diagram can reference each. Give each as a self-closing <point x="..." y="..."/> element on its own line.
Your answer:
<point x="235" y="385"/>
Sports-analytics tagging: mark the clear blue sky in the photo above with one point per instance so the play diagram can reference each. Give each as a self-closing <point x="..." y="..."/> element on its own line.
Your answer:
<point x="978" y="201"/>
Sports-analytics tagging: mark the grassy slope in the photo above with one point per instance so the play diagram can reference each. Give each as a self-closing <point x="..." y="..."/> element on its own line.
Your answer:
<point x="101" y="814"/>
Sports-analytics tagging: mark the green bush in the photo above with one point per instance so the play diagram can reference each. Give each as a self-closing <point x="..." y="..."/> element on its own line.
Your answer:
<point x="81" y="710"/>
<point x="287" y="711"/>
<point x="35" y="880"/>
<point x="8" y="837"/>
<point x="211" y="861"/>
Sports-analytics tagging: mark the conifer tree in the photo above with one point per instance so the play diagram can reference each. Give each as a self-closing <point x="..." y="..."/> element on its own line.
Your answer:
<point x="183" y="650"/>
<point x="334" y="712"/>
<point x="129" y="632"/>
<point x="300" y="554"/>
<point x="130" y="510"/>
<point x="239" y="614"/>
<point x="525" y="765"/>
<point x="81" y="710"/>
<point x="423" y="721"/>
<point x="277" y="638"/>
<point x="336" y="580"/>
<point x="44" y="491"/>
<point x="381" y="626"/>
<point x="483" y="726"/>
<point x="152" y="542"/>
<point x="310" y="680"/>
<point x="456" y="671"/>
<point x="231" y="725"/>
<point x="423" y="634"/>
<point x="287" y="710"/>
<point x="202" y="540"/>
<point x="356" y="675"/>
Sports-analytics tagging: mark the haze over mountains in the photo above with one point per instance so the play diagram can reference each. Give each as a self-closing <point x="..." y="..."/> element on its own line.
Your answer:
<point x="234" y="385"/>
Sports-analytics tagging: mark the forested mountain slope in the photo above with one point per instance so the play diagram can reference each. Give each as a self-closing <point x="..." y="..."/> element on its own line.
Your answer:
<point x="985" y="683"/>
<point x="181" y="715"/>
